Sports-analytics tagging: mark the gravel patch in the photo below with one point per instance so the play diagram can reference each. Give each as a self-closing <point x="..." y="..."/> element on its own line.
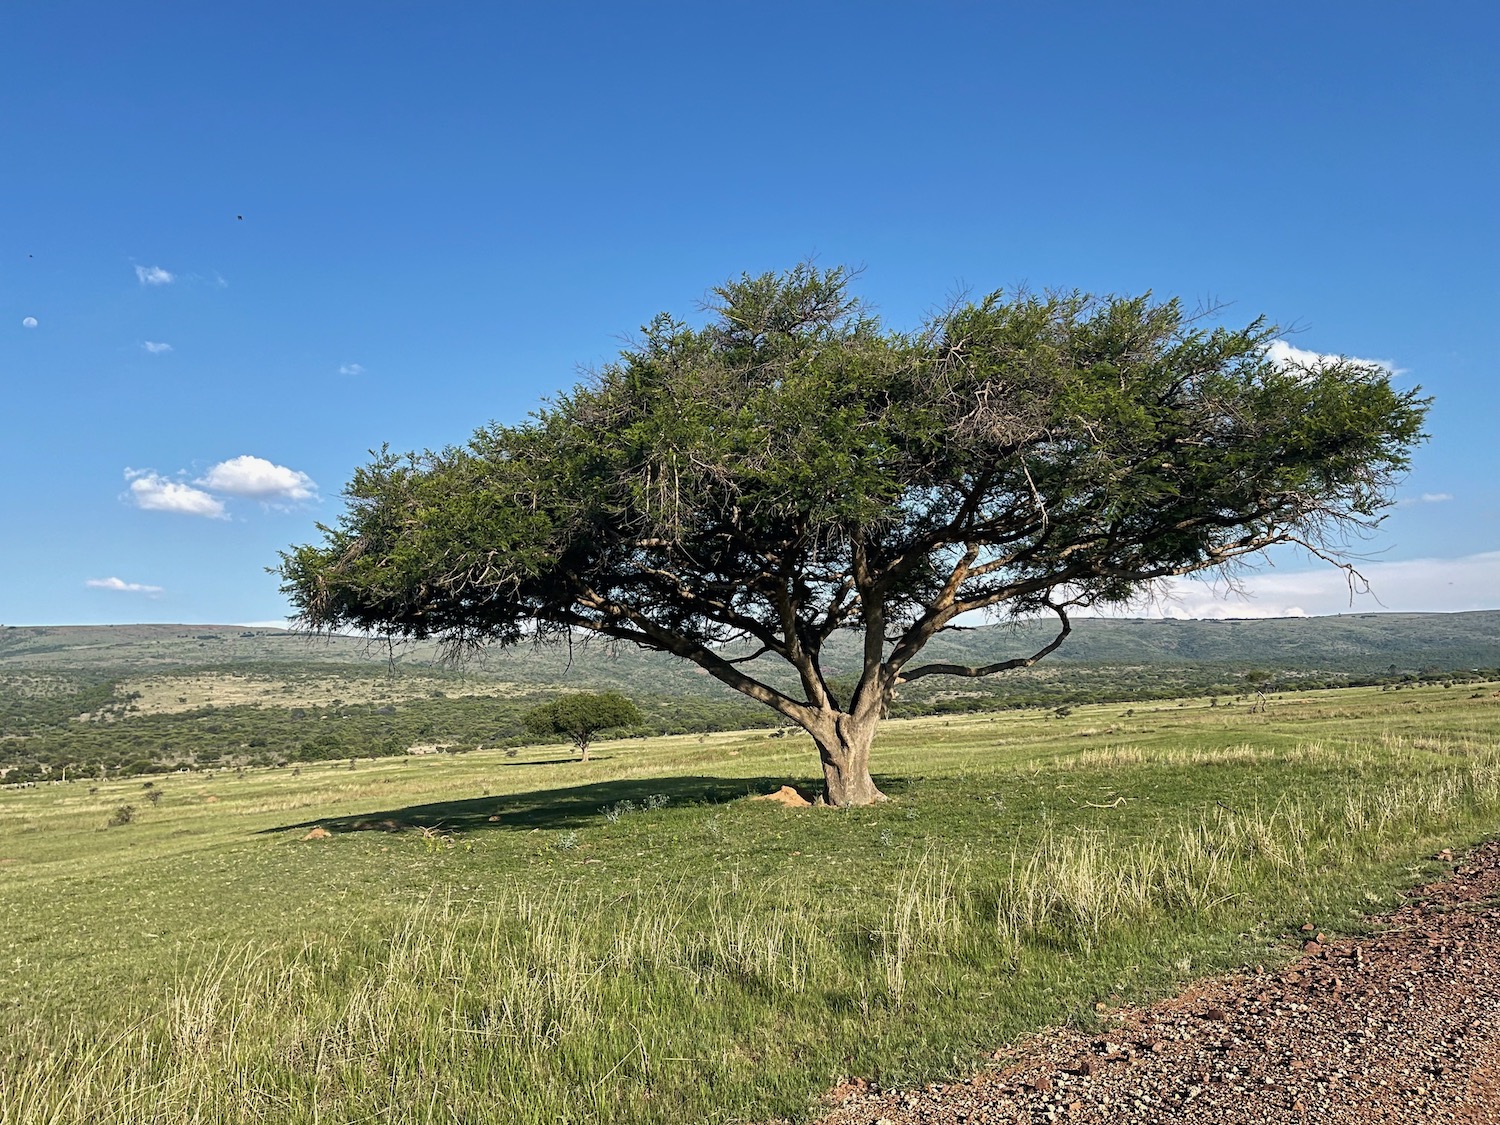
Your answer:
<point x="1401" y="1026"/>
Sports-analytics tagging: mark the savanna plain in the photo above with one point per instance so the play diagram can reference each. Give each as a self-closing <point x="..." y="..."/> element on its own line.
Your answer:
<point x="514" y="936"/>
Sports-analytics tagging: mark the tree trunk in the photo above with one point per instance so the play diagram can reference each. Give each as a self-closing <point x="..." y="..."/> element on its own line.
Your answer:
<point x="844" y="747"/>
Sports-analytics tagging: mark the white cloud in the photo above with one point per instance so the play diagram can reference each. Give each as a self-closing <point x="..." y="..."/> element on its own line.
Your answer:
<point x="153" y="275"/>
<point x="259" y="479"/>
<point x="156" y="493"/>
<point x="351" y="369"/>
<point x="253" y="478"/>
<point x="28" y="322"/>
<point x="156" y="347"/>
<point x="1285" y="355"/>
<point x="1425" y="498"/>
<point x="122" y="586"/>
<point x="1410" y="586"/>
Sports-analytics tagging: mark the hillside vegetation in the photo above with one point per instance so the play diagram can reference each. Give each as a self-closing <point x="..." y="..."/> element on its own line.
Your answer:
<point x="1366" y="642"/>
<point x="106" y="701"/>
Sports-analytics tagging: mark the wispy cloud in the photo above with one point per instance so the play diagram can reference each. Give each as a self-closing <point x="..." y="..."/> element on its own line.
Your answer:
<point x="1430" y="585"/>
<point x="351" y="369"/>
<point x="1286" y="355"/>
<point x="1425" y="498"/>
<point x="122" y="586"/>
<point x="156" y="347"/>
<point x="259" y="479"/>
<point x="153" y="275"/>
<point x="155" y="493"/>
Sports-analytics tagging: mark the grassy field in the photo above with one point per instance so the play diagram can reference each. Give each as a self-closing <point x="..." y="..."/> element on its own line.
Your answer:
<point x="530" y="939"/>
<point x="174" y="694"/>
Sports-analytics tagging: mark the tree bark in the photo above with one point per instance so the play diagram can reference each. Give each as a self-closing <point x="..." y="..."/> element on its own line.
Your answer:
<point x="844" y="748"/>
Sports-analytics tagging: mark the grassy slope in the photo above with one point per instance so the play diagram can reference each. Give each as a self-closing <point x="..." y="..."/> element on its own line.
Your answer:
<point x="532" y="957"/>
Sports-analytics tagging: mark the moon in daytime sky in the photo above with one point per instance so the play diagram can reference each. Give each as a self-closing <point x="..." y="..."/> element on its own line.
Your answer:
<point x="29" y="322"/>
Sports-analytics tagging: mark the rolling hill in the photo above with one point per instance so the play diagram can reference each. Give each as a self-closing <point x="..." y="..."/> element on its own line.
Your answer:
<point x="1367" y="643"/>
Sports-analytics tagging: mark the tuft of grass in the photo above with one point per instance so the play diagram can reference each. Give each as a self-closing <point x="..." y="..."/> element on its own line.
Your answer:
<point x="122" y="816"/>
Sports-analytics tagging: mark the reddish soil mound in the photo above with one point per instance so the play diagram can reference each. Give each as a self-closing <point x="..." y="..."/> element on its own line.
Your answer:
<point x="1403" y="1026"/>
<point x="787" y="796"/>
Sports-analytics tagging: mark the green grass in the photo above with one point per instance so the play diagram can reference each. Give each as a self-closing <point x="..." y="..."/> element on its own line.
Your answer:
<point x="626" y="940"/>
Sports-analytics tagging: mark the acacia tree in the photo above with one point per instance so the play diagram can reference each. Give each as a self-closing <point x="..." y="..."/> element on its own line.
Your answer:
<point x="791" y="469"/>
<point x="582" y="715"/>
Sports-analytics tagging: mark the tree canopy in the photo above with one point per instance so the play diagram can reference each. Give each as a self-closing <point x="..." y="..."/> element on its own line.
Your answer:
<point x="581" y="715"/>
<point x="791" y="468"/>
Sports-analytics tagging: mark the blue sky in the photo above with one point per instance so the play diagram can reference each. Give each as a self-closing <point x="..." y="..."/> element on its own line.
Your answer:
<point x="449" y="209"/>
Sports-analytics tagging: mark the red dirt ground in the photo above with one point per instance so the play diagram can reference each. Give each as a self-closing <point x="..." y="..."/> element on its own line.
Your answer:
<point x="1403" y="1026"/>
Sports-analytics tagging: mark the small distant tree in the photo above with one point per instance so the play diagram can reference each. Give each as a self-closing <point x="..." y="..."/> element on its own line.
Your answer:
<point x="1257" y="679"/>
<point x="581" y="716"/>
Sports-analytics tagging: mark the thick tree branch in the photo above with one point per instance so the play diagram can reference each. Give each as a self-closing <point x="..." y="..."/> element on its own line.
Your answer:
<point x="975" y="672"/>
<point x="650" y="635"/>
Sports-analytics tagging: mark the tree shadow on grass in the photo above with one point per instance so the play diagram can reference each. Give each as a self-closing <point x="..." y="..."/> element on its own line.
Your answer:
<point x="571" y="807"/>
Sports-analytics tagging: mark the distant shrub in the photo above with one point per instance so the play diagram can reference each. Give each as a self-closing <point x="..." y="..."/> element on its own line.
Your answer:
<point x="122" y="816"/>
